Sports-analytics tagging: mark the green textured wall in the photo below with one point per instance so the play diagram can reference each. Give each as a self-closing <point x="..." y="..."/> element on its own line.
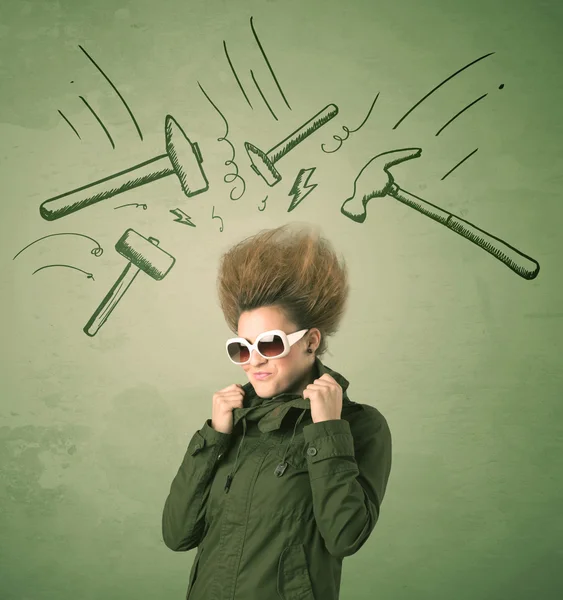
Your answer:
<point x="461" y="353"/>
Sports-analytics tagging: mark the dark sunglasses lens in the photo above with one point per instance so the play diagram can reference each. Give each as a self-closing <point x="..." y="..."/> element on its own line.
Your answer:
<point x="271" y="346"/>
<point x="238" y="352"/>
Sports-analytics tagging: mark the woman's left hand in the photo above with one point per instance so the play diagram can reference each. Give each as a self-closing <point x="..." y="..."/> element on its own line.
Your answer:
<point x="325" y="395"/>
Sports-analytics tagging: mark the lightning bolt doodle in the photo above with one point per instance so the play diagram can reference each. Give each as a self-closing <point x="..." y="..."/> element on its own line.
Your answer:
<point x="300" y="188"/>
<point x="182" y="217"/>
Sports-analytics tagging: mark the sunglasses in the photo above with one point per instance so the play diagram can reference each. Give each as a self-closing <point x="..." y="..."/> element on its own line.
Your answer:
<point x="269" y="344"/>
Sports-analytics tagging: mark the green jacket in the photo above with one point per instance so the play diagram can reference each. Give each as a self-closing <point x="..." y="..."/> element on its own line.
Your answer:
<point x="274" y="509"/>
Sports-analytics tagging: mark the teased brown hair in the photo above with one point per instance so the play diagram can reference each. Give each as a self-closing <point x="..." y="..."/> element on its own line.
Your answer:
<point x="291" y="267"/>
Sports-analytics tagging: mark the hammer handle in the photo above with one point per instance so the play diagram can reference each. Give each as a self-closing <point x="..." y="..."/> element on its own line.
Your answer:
<point x="112" y="298"/>
<point x="326" y="114"/>
<point x="520" y="263"/>
<point x="84" y="196"/>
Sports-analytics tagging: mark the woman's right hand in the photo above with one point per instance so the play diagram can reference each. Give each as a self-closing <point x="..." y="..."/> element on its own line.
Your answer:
<point x="224" y="401"/>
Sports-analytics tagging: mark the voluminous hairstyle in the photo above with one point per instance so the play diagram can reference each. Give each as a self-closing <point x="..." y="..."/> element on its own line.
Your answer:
<point x="291" y="267"/>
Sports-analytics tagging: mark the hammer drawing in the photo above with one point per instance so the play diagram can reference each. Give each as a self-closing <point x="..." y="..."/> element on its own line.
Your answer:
<point x="144" y="255"/>
<point x="375" y="181"/>
<point x="263" y="162"/>
<point x="183" y="158"/>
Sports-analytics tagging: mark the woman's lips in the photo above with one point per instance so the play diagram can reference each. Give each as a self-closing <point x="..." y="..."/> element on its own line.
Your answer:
<point x="261" y="376"/>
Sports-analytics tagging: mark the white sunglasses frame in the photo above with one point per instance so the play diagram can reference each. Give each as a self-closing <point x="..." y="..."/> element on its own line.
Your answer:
<point x="288" y="341"/>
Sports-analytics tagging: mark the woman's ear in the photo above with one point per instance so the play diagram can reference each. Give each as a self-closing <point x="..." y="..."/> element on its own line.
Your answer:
<point x="314" y="339"/>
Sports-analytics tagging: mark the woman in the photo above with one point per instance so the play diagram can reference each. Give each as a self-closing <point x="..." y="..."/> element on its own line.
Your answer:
<point x="287" y="477"/>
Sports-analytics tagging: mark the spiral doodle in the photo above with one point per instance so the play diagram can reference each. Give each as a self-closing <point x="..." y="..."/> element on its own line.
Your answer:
<point x="232" y="176"/>
<point x="347" y="131"/>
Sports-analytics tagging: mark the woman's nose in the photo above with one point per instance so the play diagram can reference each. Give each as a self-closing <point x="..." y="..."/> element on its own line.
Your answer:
<point x="256" y="358"/>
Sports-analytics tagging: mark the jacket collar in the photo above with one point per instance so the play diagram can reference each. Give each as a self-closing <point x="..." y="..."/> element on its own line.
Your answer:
<point x="269" y="412"/>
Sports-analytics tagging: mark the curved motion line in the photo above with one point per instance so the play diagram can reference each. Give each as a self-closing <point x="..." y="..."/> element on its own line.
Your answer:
<point x="88" y="275"/>
<point x="268" y="63"/>
<point x="228" y="177"/>
<point x="349" y="131"/>
<point x="70" y="124"/>
<point x="458" y="164"/>
<point x="262" y="95"/>
<point x="95" y="251"/>
<point x="136" y="204"/>
<point x="115" y="90"/>
<point x="438" y="87"/>
<point x="458" y="114"/>
<point x="99" y="121"/>
<point x="235" y="74"/>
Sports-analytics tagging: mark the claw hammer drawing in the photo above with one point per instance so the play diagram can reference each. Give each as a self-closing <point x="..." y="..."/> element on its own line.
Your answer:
<point x="375" y="181"/>
<point x="183" y="159"/>
<point x="143" y="254"/>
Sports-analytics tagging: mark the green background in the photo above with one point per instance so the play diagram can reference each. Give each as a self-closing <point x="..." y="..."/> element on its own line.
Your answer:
<point x="461" y="354"/>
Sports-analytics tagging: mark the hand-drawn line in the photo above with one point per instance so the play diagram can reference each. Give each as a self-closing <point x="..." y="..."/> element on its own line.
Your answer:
<point x="263" y="204"/>
<point x="135" y="204"/>
<point x="438" y="86"/>
<point x="143" y="254"/>
<point x="235" y="74"/>
<point x="268" y="62"/>
<point x="459" y="164"/>
<point x="115" y="89"/>
<point x="98" y="251"/>
<point x="375" y="181"/>
<point x="183" y="159"/>
<point x="88" y="275"/>
<point x="214" y="216"/>
<point x="459" y="113"/>
<point x="229" y="177"/>
<point x="182" y="217"/>
<point x="69" y="123"/>
<point x="99" y="121"/>
<point x="262" y="163"/>
<point x="349" y="131"/>
<point x="261" y="94"/>
<point x="301" y="187"/>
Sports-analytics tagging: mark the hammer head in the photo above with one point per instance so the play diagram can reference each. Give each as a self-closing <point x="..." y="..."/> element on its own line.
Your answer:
<point x="262" y="165"/>
<point x="185" y="157"/>
<point x="145" y="254"/>
<point x="375" y="181"/>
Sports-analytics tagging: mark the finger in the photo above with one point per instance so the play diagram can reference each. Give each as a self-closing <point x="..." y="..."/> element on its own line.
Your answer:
<point x="323" y="383"/>
<point x="229" y="398"/>
<point x="314" y="389"/>
<point x="330" y="380"/>
<point x="317" y="384"/>
<point x="228" y="405"/>
<point x="231" y="387"/>
<point x="233" y="395"/>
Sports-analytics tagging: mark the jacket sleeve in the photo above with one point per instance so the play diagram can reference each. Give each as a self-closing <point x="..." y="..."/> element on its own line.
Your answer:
<point x="184" y="509"/>
<point x="348" y="485"/>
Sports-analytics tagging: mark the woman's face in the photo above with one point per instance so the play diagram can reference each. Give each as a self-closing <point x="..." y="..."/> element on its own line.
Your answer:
<point x="292" y="373"/>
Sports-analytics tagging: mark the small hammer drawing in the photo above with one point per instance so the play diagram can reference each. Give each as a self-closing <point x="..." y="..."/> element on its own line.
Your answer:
<point x="375" y="181"/>
<point x="144" y="255"/>
<point x="183" y="158"/>
<point x="263" y="162"/>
